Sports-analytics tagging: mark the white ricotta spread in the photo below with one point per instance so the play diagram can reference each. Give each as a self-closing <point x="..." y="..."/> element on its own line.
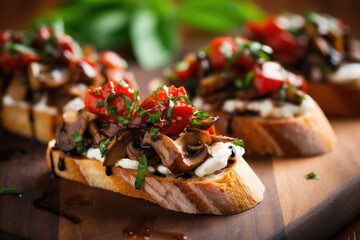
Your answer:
<point x="220" y="153"/>
<point x="126" y="163"/>
<point x="346" y="73"/>
<point x="267" y="109"/>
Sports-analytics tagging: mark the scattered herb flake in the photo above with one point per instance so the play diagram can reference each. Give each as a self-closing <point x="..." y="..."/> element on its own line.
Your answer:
<point x="238" y="142"/>
<point x="103" y="146"/>
<point x="154" y="118"/>
<point x="201" y="114"/>
<point x="154" y="133"/>
<point x="99" y="103"/>
<point x="312" y="175"/>
<point x="78" y="139"/>
<point x="142" y="168"/>
<point x="15" y="191"/>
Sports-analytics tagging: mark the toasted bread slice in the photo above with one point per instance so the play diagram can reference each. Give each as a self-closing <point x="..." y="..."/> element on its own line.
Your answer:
<point x="336" y="99"/>
<point x="20" y="118"/>
<point x="231" y="190"/>
<point x="306" y="135"/>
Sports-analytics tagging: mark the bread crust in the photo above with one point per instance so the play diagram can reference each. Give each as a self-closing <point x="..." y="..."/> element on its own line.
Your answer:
<point x="231" y="191"/>
<point x="306" y="135"/>
<point x="336" y="99"/>
<point x="16" y="118"/>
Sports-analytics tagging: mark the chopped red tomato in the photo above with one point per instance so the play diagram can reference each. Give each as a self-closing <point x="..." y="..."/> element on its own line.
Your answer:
<point x="187" y="67"/>
<point x="111" y="101"/>
<point x="222" y="50"/>
<point x="166" y="109"/>
<point x="212" y="130"/>
<point x="269" y="77"/>
<point x="4" y="37"/>
<point x="9" y="62"/>
<point x="287" y="48"/>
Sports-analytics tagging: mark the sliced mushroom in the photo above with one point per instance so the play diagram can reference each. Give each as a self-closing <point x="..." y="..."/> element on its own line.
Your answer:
<point x="77" y="122"/>
<point x="116" y="150"/>
<point x="110" y="129"/>
<point x="34" y="71"/>
<point x="204" y="124"/>
<point x="182" y="155"/>
<point x="219" y="138"/>
<point x="135" y="150"/>
<point x="95" y="132"/>
<point x="213" y="83"/>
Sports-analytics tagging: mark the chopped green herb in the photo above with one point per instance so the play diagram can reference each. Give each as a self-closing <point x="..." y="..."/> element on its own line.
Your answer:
<point x="282" y="95"/>
<point x="11" y="48"/>
<point x="195" y="122"/>
<point x="170" y="109"/>
<point x="103" y="146"/>
<point x="312" y="175"/>
<point x="186" y="99"/>
<point x="142" y="168"/>
<point x="154" y="118"/>
<point x="99" y="103"/>
<point x="112" y="109"/>
<point x="128" y="102"/>
<point x="154" y="133"/>
<point x="122" y="120"/>
<point x="135" y="96"/>
<point x="78" y="139"/>
<point x="4" y="191"/>
<point x="238" y="142"/>
<point x="201" y="114"/>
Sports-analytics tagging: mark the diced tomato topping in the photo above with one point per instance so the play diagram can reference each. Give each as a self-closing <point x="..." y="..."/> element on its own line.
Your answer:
<point x="187" y="67"/>
<point x="10" y="62"/>
<point x="269" y="77"/>
<point x="109" y="101"/>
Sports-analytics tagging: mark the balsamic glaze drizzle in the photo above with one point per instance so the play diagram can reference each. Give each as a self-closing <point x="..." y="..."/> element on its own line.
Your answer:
<point x="143" y="229"/>
<point x="52" y="174"/>
<point x="108" y="171"/>
<point x="7" y="154"/>
<point x="61" y="164"/>
<point x="44" y="204"/>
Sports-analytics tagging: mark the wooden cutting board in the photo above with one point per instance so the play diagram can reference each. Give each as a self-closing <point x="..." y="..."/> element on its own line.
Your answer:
<point x="293" y="207"/>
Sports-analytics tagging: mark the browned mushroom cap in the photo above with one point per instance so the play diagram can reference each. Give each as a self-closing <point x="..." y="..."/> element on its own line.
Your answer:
<point x="204" y="123"/>
<point x="182" y="155"/>
<point x="135" y="150"/>
<point x="76" y="123"/>
<point x="109" y="128"/>
<point x="219" y="138"/>
<point x="116" y="150"/>
<point x="51" y="77"/>
<point x="95" y="133"/>
<point x="213" y="83"/>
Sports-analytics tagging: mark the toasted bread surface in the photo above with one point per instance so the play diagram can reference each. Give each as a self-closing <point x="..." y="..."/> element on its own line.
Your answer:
<point x="232" y="190"/>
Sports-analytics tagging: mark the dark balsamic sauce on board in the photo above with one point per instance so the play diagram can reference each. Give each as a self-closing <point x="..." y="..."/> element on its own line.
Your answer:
<point x="44" y="203"/>
<point x="7" y="154"/>
<point x="61" y="164"/>
<point x="143" y="229"/>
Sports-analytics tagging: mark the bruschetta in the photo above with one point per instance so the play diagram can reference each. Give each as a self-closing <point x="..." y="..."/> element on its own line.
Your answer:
<point x="258" y="100"/>
<point x="160" y="149"/>
<point x="319" y="47"/>
<point x="44" y="72"/>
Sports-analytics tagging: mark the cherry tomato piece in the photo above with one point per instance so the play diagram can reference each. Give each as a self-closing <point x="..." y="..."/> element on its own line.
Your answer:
<point x="269" y="77"/>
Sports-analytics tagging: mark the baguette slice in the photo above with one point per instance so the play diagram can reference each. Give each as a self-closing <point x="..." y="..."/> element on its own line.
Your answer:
<point x="306" y="135"/>
<point x="16" y="118"/>
<point x="233" y="190"/>
<point x="337" y="100"/>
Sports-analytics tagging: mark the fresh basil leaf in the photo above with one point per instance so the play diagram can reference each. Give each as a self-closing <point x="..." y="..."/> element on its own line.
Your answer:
<point x="155" y="117"/>
<point x="78" y="139"/>
<point x="17" y="47"/>
<point x="154" y="133"/>
<point x="16" y="191"/>
<point x="202" y="114"/>
<point x="238" y="142"/>
<point x="99" y="103"/>
<point x="142" y="168"/>
<point x="312" y="175"/>
<point x="148" y="46"/>
<point x="103" y="146"/>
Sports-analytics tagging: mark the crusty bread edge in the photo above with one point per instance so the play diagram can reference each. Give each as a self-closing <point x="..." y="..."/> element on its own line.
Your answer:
<point x="232" y="191"/>
<point x="307" y="135"/>
<point x="15" y="118"/>
<point x="340" y="100"/>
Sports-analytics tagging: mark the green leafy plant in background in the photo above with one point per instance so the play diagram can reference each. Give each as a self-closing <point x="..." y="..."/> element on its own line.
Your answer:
<point x="150" y="27"/>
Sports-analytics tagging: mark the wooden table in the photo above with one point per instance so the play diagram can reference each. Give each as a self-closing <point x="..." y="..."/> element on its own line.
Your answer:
<point x="293" y="207"/>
